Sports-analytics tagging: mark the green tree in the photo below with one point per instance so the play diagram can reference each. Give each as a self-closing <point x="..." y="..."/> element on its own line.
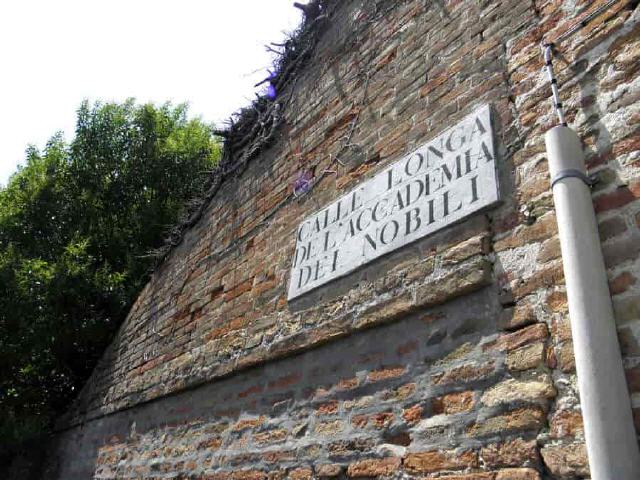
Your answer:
<point x="76" y="225"/>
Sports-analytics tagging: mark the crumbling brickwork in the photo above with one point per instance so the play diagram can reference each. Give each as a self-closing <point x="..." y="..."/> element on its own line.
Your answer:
<point x="451" y="357"/>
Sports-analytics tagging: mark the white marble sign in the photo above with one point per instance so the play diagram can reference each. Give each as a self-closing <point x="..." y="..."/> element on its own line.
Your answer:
<point x="445" y="180"/>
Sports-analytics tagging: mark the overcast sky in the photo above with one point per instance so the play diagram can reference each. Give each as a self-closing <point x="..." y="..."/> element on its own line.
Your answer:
<point x="55" y="53"/>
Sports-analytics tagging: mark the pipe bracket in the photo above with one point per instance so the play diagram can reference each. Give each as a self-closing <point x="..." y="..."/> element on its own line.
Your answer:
<point x="589" y="180"/>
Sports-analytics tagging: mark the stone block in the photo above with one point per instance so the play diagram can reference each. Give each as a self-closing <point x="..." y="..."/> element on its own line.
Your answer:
<point x="538" y="389"/>
<point x="566" y="460"/>
<point x="471" y="277"/>
<point x="527" y="357"/>
<point x="465" y="373"/>
<point x="512" y="453"/>
<point x="329" y="470"/>
<point x="516" y="317"/>
<point x="528" y="418"/>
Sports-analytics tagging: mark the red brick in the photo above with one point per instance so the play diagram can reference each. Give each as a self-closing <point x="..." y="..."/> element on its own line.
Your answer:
<point x="618" y="198"/>
<point x="211" y="444"/>
<point x="385" y="374"/>
<point x="621" y="283"/>
<point x="412" y="415"/>
<point x="374" y="467"/>
<point x="328" y="408"/>
<point x="636" y="419"/>
<point x="524" y="336"/>
<point x="329" y="428"/>
<point x="249" y="423"/>
<point x="566" y="358"/>
<point x="627" y="145"/>
<point x="544" y="228"/>
<point x="407" y="347"/>
<point x="437" y="461"/>
<point x="453" y="403"/>
<point x="611" y="227"/>
<point x="561" y="329"/>
<point x="519" y="316"/>
<point x="251" y="391"/>
<point x="566" y="423"/>
<point x="270" y="436"/>
<point x="382" y="420"/>
<point x="470" y="476"/>
<point x="360" y="421"/>
<point x="329" y="470"/>
<point x="518" y="474"/>
<point x="557" y="302"/>
<point x="301" y="474"/>
<point x="238" y="290"/>
<point x="633" y="379"/>
<point x="347" y="383"/>
<point x="279" y="456"/>
<point x="248" y="475"/>
<point x="286" y="381"/>
<point x="551" y="275"/>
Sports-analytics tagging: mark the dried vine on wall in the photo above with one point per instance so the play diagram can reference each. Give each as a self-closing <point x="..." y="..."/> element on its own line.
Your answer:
<point x="253" y="129"/>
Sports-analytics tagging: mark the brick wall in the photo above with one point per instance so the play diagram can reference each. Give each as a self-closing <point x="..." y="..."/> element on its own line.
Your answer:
<point x="451" y="356"/>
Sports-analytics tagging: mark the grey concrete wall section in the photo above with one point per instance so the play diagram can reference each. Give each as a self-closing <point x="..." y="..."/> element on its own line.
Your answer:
<point x="468" y="319"/>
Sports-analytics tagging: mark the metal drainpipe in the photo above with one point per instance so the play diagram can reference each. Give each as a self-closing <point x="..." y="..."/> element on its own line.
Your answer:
<point x="612" y="446"/>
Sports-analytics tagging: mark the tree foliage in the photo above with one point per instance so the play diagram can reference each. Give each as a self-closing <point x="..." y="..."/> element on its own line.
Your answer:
<point x="76" y="225"/>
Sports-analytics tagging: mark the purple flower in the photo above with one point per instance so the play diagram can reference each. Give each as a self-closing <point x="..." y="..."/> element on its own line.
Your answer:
<point x="271" y="92"/>
<point x="302" y="183"/>
<point x="271" y="89"/>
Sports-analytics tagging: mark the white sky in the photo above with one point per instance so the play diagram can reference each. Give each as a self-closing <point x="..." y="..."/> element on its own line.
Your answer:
<point x="55" y="53"/>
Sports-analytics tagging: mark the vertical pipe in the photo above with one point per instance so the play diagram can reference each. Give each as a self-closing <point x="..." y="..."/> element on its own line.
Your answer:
<point x="611" y="440"/>
<point x="547" y="52"/>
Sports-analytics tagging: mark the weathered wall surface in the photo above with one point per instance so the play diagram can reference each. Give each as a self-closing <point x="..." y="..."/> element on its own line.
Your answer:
<point x="451" y="356"/>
